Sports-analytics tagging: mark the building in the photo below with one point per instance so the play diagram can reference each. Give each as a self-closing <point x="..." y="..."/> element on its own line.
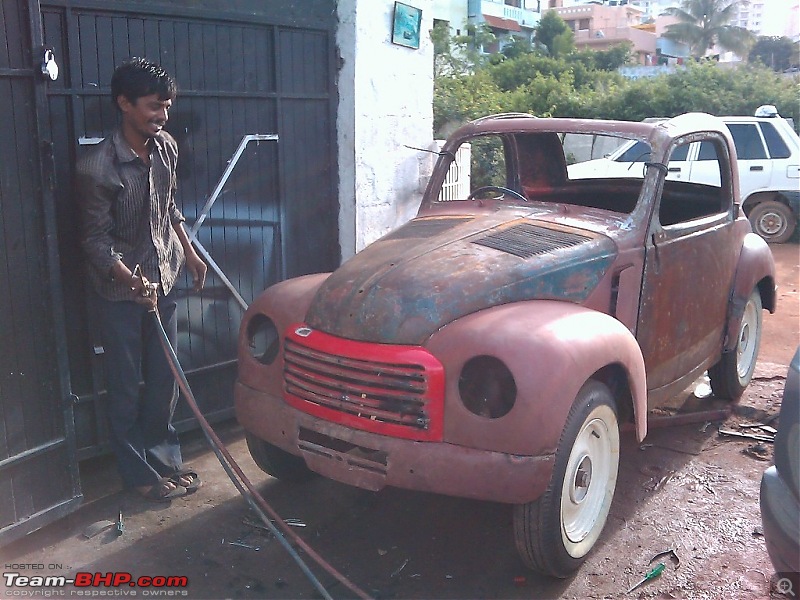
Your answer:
<point x="752" y="16"/>
<point x="599" y="27"/>
<point x="507" y="19"/>
<point x="793" y="22"/>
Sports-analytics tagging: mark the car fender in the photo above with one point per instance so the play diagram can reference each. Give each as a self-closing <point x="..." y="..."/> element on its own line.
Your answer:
<point x="285" y="303"/>
<point x="756" y="268"/>
<point x="551" y="349"/>
<point x="792" y="199"/>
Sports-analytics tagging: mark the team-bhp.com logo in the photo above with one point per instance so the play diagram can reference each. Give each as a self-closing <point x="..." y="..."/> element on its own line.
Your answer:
<point x="19" y="585"/>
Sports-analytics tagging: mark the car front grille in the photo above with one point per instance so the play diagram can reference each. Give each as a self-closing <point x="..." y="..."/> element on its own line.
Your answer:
<point x="359" y="390"/>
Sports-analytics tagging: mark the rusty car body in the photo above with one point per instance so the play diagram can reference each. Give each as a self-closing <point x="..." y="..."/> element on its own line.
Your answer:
<point x="492" y="346"/>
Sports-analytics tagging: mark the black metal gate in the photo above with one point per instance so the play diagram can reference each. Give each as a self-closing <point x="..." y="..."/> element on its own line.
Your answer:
<point x="267" y="73"/>
<point x="246" y="70"/>
<point x="38" y="469"/>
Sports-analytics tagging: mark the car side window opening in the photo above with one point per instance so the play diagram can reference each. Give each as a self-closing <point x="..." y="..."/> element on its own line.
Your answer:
<point x="680" y="153"/>
<point x="488" y="163"/>
<point x="684" y="201"/>
<point x="707" y="151"/>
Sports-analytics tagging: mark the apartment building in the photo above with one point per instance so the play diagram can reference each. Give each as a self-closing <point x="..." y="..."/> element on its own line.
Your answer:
<point x="507" y="19"/>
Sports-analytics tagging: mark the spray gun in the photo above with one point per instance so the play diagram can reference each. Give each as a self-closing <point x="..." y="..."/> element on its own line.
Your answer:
<point x="149" y="289"/>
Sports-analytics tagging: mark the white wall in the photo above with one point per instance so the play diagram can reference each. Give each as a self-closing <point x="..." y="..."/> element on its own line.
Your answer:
<point x="453" y="11"/>
<point x="385" y="103"/>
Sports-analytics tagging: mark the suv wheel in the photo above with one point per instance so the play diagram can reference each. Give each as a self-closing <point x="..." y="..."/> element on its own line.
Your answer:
<point x="554" y="533"/>
<point x="773" y="221"/>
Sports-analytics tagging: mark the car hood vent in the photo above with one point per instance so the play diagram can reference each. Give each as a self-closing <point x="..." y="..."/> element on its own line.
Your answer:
<point x="526" y="240"/>
<point x="425" y="228"/>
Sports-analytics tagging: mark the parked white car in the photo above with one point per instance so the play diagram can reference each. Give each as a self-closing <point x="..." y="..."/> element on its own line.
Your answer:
<point x="768" y="152"/>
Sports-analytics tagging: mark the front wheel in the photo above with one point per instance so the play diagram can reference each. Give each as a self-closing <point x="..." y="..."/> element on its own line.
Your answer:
<point x="554" y="533"/>
<point x="731" y="375"/>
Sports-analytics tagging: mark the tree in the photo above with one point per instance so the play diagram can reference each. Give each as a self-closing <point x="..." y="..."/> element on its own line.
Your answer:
<point x="554" y="34"/>
<point x="459" y="54"/>
<point x="457" y="100"/>
<point x="517" y="47"/>
<point x="606" y="60"/>
<point x="778" y="53"/>
<point x="703" y="24"/>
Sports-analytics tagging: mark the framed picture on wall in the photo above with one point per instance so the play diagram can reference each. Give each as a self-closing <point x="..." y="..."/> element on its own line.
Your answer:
<point x="406" y="25"/>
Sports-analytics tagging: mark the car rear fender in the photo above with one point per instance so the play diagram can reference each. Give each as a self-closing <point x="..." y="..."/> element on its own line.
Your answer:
<point x="756" y="268"/>
<point x="551" y="349"/>
<point x="285" y="303"/>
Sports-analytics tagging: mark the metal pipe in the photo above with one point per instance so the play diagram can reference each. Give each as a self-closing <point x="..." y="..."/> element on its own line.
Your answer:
<point x="258" y="137"/>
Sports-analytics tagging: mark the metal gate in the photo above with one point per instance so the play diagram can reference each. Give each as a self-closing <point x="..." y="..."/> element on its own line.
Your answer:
<point x="270" y="72"/>
<point x="38" y="469"/>
<point x="243" y="68"/>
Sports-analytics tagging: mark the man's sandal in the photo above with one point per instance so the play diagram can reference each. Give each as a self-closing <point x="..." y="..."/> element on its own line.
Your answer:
<point x="163" y="491"/>
<point x="191" y="475"/>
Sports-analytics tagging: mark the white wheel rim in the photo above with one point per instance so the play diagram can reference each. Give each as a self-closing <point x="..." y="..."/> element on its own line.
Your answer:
<point x="747" y="347"/>
<point x="589" y="482"/>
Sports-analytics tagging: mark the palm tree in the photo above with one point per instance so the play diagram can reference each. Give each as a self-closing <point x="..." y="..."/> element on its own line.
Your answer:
<point x="703" y="24"/>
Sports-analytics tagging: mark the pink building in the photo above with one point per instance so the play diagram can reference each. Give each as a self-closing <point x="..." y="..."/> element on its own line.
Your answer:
<point x="600" y="27"/>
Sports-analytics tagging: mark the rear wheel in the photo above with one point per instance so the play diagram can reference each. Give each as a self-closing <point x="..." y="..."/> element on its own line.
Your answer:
<point x="731" y="375"/>
<point x="555" y="533"/>
<point x="278" y="463"/>
<point x="773" y="221"/>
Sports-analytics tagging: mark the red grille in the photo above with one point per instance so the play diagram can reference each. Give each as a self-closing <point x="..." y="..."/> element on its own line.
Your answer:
<point x="387" y="389"/>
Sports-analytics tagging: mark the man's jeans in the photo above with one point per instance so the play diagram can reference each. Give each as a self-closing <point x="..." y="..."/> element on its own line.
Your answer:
<point x="141" y="431"/>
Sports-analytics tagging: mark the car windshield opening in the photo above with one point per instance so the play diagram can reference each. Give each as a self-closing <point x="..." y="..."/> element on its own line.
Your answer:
<point x="580" y="169"/>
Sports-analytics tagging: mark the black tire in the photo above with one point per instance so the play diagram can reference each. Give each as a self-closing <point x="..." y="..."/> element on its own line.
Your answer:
<point x="555" y="533"/>
<point x="773" y="220"/>
<point x="732" y="373"/>
<point x="278" y="463"/>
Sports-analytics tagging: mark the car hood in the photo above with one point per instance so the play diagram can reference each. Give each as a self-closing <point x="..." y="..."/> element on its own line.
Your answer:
<point x="433" y="270"/>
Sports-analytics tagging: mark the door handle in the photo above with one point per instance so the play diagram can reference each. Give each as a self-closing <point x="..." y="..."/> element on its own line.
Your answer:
<point x="756" y="168"/>
<point x="674" y="169"/>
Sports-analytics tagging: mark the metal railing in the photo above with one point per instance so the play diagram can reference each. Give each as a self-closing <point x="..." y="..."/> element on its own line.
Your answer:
<point x="456" y="183"/>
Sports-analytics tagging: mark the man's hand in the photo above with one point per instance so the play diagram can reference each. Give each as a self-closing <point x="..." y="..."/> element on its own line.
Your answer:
<point x="144" y="292"/>
<point x="197" y="268"/>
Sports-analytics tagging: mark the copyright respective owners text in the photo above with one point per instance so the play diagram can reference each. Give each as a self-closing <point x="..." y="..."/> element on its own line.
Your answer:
<point x="38" y="581"/>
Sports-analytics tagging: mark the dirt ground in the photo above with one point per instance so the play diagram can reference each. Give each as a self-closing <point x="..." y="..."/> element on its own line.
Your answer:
<point x="685" y="488"/>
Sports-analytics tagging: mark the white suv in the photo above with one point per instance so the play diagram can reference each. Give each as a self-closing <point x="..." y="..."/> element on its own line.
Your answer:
<point x="768" y="152"/>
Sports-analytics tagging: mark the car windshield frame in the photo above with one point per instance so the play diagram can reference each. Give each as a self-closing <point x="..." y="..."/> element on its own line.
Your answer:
<point x="533" y="164"/>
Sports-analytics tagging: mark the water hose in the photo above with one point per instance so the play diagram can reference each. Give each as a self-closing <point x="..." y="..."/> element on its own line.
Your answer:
<point x="243" y="484"/>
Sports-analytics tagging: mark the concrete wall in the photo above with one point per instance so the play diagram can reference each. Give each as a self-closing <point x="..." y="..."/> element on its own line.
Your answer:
<point x="454" y="11"/>
<point x="385" y="104"/>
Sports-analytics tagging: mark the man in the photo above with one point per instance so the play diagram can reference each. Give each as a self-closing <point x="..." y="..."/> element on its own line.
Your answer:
<point x="135" y="243"/>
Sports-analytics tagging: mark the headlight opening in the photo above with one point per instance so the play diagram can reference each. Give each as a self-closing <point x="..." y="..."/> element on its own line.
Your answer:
<point x="487" y="387"/>
<point x="263" y="339"/>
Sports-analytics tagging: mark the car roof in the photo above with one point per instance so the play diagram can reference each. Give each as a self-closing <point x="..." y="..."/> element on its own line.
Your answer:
<point x="659" y="131"/>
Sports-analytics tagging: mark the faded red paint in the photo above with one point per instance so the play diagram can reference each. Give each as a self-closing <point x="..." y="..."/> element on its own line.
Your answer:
<point x="640" y="287"/>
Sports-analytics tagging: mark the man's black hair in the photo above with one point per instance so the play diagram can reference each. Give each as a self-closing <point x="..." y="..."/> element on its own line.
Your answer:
<point x="139" y="77"/>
